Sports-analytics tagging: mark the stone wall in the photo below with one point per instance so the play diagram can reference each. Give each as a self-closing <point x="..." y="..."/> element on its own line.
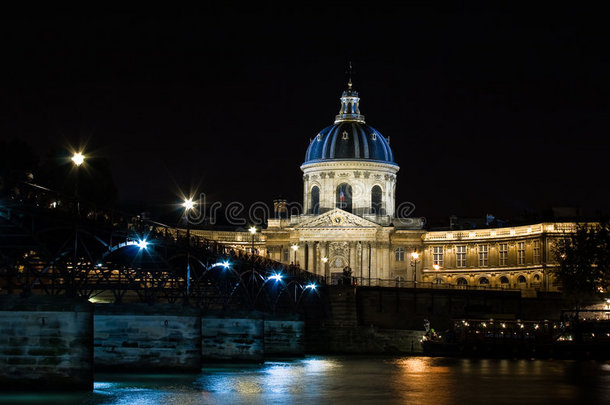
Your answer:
<point x="232" y="339"/>
<point x="45" y="344"/>
<point x="284" y="337"/>
<point x="391" y="320"/>
<point x="147" y="338"/>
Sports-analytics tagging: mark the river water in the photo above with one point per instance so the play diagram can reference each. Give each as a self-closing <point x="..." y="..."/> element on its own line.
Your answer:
<point x="355" y="380"/>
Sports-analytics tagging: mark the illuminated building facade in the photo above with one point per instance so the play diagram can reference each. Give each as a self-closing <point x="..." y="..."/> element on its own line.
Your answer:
<point x="350" y="221"/>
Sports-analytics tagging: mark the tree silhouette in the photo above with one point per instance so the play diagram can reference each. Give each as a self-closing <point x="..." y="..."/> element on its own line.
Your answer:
<point x="584" y="262"/>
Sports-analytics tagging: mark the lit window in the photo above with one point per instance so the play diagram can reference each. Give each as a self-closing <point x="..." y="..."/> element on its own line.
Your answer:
<point x="536" y="251"/>
<point x="437" y="255"/>
<point x="399" y="254"/>
<point x="483" y="255"/>
<point x="503" y="254"/>
<point x="521" y="253"/>
<point x="460" y="256"/>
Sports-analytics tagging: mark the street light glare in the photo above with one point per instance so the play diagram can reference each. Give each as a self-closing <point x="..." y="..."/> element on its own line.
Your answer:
<point x="295" y="247"/>
<point x="252" y="230"/>
<point x="276" y="277"/>
<point x="188" y="204"/>
<point x="142" y="244"/>
<point x="312" y="286"/>
<point x="78" y="158"/>
<point x="415" y="255"/>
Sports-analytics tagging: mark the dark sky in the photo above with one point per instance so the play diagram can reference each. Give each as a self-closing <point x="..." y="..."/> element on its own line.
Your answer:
<point x="490" y="110"/>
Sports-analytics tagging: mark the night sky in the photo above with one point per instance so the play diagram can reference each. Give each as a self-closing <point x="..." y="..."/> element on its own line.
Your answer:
<point x="500" y="110"/>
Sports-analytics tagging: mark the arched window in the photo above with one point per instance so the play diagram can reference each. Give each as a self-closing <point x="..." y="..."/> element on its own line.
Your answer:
<point x="503" y="280"/>
<point x="521" y="280"/>
<point x="537" y="277"/>
<point x="376" y="200"/>
<point x="483" y="281"/>
<point x="315" y="200"/>
<point x="344" y="197"/>
<point x="462" y="281"/>
<point x="438" y="281"/>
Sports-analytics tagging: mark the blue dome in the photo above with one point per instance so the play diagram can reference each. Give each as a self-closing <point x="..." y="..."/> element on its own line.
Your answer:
<point x="347" y="140"/>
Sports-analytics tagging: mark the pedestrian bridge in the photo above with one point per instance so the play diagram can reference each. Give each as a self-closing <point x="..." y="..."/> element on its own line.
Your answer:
<point x="51" y="244"/>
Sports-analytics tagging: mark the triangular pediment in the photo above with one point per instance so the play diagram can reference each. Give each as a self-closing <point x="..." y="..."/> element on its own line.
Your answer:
<point x="337" y="218"/>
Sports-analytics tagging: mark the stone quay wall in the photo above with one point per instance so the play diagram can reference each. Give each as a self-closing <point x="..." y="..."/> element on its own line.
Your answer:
<point x="45" y="343"/>
<point x="147" y="338"/>
<point x="381" y="320"/>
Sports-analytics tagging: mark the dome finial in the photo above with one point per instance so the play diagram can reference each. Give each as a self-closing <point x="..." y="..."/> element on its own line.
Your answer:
<point x="349" y="75"/>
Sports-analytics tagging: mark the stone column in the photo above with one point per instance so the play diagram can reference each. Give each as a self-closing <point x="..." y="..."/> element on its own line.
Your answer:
<point x="310" y="260"/>
<point x="365" y="263"/>
<point x="301" y="255"/>
<point x="352" y="256"/>
<point x="374" y="266"/>
<point x="323" y="253"/>
<point x="358" y="267"/>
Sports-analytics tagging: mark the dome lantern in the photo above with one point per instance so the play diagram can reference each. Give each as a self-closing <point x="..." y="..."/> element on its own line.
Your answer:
<point x="349" y="138"/>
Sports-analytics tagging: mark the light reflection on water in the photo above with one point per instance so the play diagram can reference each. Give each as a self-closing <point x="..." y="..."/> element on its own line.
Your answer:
<point x="356" y="379"/>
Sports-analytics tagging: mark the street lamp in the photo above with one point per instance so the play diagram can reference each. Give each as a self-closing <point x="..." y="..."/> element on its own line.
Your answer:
<point x="78" y="159"/>
<point x="188" y="205"/>
<point x="295" y="247"/>
<point x="253" y="232"/>
<point x="414" y="260"/>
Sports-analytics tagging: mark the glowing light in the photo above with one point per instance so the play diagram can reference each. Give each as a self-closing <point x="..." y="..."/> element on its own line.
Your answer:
<point x="295" y="247"/>
<point x="142" y="244"/>
<point x="324" y="259"/>
<point x="312" y="286"/>
<point x="224" y="264"/>
<point x="276" y="277"/>
<point x="188" y="204"/>
<point x="252" y="230"/>
<point x="436" y="267"/>
<point x="99" y="265"/>
<point x="78" y="158"/>
<point x="415" y="255"/>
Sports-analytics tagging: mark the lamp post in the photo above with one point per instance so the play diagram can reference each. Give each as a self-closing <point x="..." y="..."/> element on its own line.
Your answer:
<point x="295" y="247"/>
<point x="414" y="260"/>
<point x="78" y="159"/>
<point x="253" y="232"/>
<point x="188" y="205"/>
